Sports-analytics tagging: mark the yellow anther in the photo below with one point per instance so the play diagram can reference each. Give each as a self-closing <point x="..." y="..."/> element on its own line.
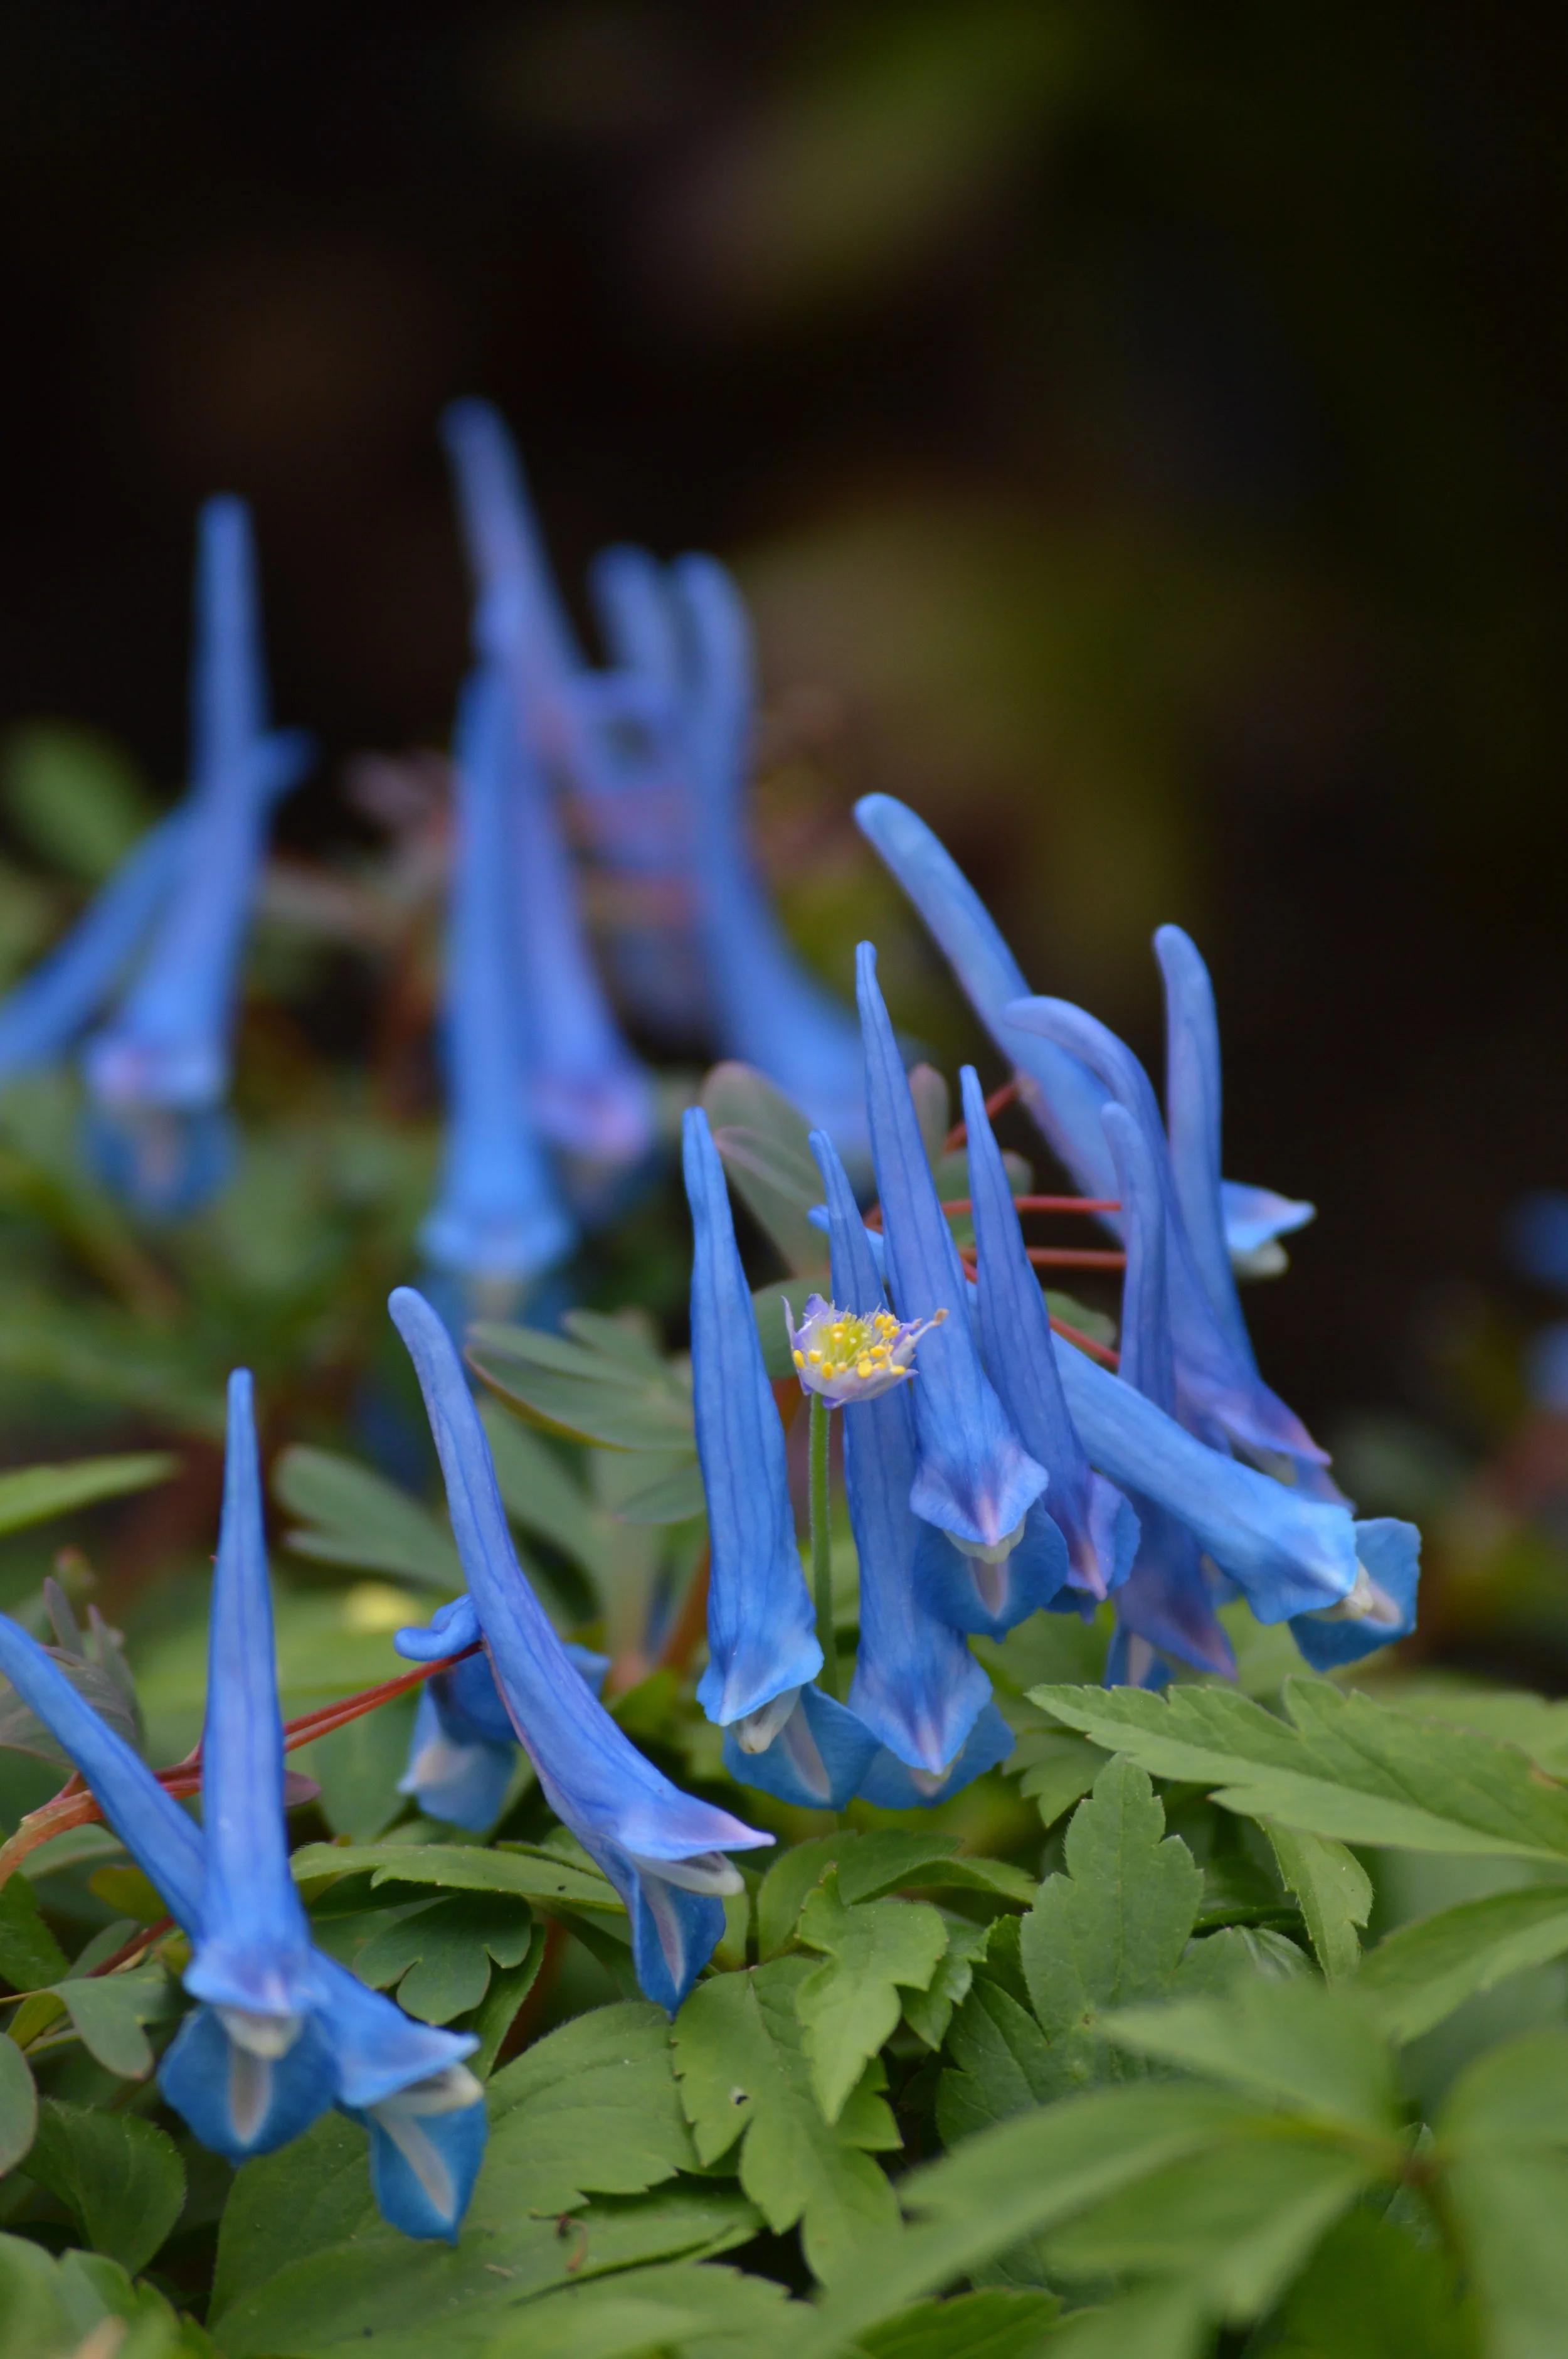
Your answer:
<point x="864" y="1369"/>
<point x="800" y="1359"/>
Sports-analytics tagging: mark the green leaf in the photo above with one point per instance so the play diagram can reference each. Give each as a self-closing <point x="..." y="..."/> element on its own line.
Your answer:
<point x="1334" y="1890"/>
<point x="121" y="2178"/>
<point x="651" y="1487"/>
<point x="31" y="1495"/>
<point x="18" y="2106"/>
<point x="1342" y="1766"/>
<point x="438" y="1955"/>
<point x="75" y="796"/>
<point x="590" y="1393"/>
<point x="929" y="2012"/>
<point x="1508" y="2211"/>
<point x="30" y="1957"/>
<point x="107" y="2012"/>
<point x="743" y="2076"/>
<point x="1421" y="1971"/>
<point x="287" y="2206"/>
<point x="530" y="1872"/>
<point x="357" y="1768"/>
<point x="1161" y="2322"/>
<point x="849" y="2005"/>
<point x="1238" y="2221"/>
<point x="992" y="2325"/>
<point x="1058" y="1770"/>
<point x="764" y="1141"/>
<point x="999" y="2063"/>
<point x="891" y="1859"/>
<point x="1294" y="2044"/>
<point x="1113" y="1929"/>
<point x="703" y="2308"/>
<point x="349" y="1515"/>
<point x="497" y="2011"/>
<point x="591" y="2109"/>
<point x="33" y="2319"/>
<point x="539" y="1493"/>
<point x="1370" y="2291"/>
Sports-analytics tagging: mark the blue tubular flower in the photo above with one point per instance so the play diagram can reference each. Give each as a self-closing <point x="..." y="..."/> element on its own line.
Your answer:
<point x="1098" y="1527"/>
<point x="916" y="1686"/>
<point x="973" y="1479"/>
<point x="1165" y="1600"/>
<point x="663" y="1851"/>
<point x="497" y="1218"/>
<point x="1219" y="1393"/>
<point x="159" y="1071"/>
<point x="762" y="1636"/>
<point x="1255" y="1220"/>
<point x="590" y="1093"/>
<point x="769" y="1012"/>
<point x="464" y="1747"/>
<point x="46" y="1011"/>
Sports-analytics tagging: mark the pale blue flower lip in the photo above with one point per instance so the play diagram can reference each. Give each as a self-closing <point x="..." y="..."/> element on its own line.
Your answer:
<point x="762" y="1632"/>
<point x="973" y="1477"/>
<point x="1257" y="1218"/>
<point x="664" y="1850"/>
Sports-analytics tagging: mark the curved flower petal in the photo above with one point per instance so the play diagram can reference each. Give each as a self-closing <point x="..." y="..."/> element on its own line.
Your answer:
<point x="43" y="1014"/>
<point x="762" y="1634"/>
<point x="893" y="1785"/>
<point x="973" y="1477"/>
<point x="815" y="1759"/>
<point x="1388" y="1552"/>
<point x="661" y="1849"/>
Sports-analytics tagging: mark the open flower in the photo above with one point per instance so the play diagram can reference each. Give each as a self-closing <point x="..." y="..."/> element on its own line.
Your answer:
<point x="848" y="1356"/>
<point x="664" y="1852"/>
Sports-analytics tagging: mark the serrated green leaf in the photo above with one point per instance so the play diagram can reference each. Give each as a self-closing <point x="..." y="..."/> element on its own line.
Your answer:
<point x="782" y="1894"/>
<point x="107" y="2012"/>
<point x="999" y="2063"/>
<point x="589" y="1394"/>
<point x="497" y="2012"/>
<point x="743" y="2075"/>
<point x="1294" y="2044"/>
<point x="120" y="2177"/>
<point x="851" y="2004"/>
<point x="1342" y="1767"/>
<point x="30" y="1957"/>
<point x="1370" y="2291"/>
<point x="1112" y="1929"/>
<point x="592" y="2109"/>
<point x="350" y="1515"/>
<point x="890" y="1859"/>
<point x="530" y="1872"/>
<point x="18" y="2104"/>
<point x="990" y="2325"/>
<point x="929" y="2012"/>
<point x="1057" y="1771"/>
<point x="764" y="1142"/>
<point x="727" y="2314"/>
<point x="1334" y="1890"/>
<point x="285" y="2207"/>
<point x="438" y="1956"/>
<point x="1422" y="1970"/>
<point x="31" y="1495"/>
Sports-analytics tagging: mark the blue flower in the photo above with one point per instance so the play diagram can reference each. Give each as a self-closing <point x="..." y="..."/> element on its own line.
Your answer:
<point x="762" y="1636"/>
<point x="916" y="1686"/>
<point x="464" y="1747"/>
<point x="664" y="1852"/>
<point x="50" y="1007"/>
<point x="1060" y="1090"/>
<point x="1166" y="1600"/>
<point x="282" y="2031"/>
<point x="498" y="1218"/>
<point x="974" y="1480"/>
<point x="1219" y="1393"/>
<point x="1098" y="1527"/>
<point x="158" y="1071"/>
<point x="590" y="1093"/>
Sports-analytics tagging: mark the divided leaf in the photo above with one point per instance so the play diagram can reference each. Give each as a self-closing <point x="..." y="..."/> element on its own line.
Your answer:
<point x="349" y="1515"/>
<point x="121" y="2178"/>
<point x="438" y="1956"/>
<point x="849" y="2005"/>
<point x="1334" y="1892"/>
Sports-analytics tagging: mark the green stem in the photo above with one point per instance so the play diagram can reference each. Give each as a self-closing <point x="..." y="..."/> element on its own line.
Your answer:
<point x="822" y="1548"/>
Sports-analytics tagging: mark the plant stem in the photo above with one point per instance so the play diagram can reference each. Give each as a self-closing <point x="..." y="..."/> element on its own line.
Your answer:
<point x="822" y="1548"/>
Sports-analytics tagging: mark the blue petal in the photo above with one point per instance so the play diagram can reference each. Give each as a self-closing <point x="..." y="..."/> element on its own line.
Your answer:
<point x="623" y="1811"/>
<point x="1061" y="1092"/>
<point x="166" y="1161"/>
<point x="973" y="1476"/>
<point x="991" y="1599"/>
<point x="1097" y="1524"/>
<point x="1255" y="1219"/>
<point x="1536" y="1233"/>
<point x="771" y="1012"/>
<point x="255" y="1948"/>
<point x="241" y="2106"/>
<point x="165" y="1843"/>
<point x="1391" y="1552"/>
<point x="674" y="1934"/>
<point x="916" y="1686"/>
<point x="1150" y="1671"/>
<point x="41" y="1017"/>
<point x="893" y="1786"/>
<point x="519" y="606"/>
<point x="760" y="1630"/>
<point x="460" y="1777"/>
<point x="450" y="1628"/>
<point x="817" y="1759"/>
<point x="423" y="2165"/>
<point x="377" y="2051"/>
<point x="498" y="1215"/>
<point x="1193" y="1123"/>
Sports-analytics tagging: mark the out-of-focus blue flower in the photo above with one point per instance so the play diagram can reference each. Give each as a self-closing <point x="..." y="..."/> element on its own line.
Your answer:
<point x="282" y="2031"/>
<point x="464" y="1747"/>
<point x="663" y="1852"/>
<point x="46" y="1013"/>
<point x="1166" y="1600"/>
<point x="974" y="1480"/>
<point x="761" y="1635"/>
<point x="1060" y="1090"/>
<point x="847" y="1355"/>
<point x="498" y="1218"/>
<point x="158" y="1071"/>
<point x="1219" y="1393"/>
<point x="1095" y="1522"/>
<point x="1536" y="1234"/>
<point x="590" y="1093"/>
<point x="916" y="1688"/>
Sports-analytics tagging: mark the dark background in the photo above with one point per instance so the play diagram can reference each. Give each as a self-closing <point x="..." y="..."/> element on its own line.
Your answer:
<point x="1140" y="427"/>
